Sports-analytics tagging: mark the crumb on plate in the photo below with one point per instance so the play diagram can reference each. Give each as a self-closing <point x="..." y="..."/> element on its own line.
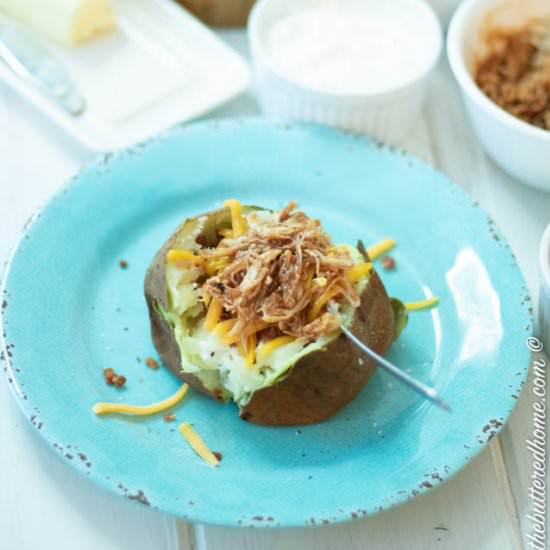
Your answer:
<point x="113" y="379"/>
<point x="151" y="363"/>
<point x="387" y="262"/>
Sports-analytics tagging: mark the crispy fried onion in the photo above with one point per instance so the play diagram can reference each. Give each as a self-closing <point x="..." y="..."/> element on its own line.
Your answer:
<point x="276" y="274"/>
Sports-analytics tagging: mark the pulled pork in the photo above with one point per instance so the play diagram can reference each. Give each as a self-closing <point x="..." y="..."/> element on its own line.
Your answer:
<point x="515" y="73"/>
<point x="276" y="272"/>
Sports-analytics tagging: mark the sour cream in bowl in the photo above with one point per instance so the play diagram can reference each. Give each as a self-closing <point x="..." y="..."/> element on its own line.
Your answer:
<point x="362" y="65"/>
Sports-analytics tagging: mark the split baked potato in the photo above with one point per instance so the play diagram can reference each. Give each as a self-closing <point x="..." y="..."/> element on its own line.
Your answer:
<point x="245" y="305"/>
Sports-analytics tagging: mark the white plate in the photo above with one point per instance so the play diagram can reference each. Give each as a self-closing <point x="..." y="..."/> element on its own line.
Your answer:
<point x="160" y="67"/>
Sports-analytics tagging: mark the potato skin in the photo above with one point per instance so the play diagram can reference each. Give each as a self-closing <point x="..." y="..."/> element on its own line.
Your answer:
<point x="318" y="385"/>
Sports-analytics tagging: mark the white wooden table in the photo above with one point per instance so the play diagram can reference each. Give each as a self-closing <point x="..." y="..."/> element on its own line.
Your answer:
<point x="45" y="504"/>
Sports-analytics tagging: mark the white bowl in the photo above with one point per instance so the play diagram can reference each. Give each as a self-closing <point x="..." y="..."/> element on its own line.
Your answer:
<point x="386" y="114"/>
<point x="517" y="147"/>
<point x="544" y="297"/>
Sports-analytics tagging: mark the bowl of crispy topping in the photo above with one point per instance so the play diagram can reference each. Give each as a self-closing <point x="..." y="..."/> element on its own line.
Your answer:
<point x="499" y="52"/>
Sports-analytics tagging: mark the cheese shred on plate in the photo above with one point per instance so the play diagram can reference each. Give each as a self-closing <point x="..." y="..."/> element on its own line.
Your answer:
<point x="381" y="247"/>
<point x="197" y="444"/>
<point x="428" y="303"/>
<point x="138" y="410"/>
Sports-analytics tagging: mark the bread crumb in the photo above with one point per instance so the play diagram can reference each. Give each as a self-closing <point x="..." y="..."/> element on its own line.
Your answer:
<point x="113" y="379"/>
<point x="388" y="263"/>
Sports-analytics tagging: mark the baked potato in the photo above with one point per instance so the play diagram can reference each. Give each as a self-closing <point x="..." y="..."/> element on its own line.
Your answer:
<point x="238" y="302"/>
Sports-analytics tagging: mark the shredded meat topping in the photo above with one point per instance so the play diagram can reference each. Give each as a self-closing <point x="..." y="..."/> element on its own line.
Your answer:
<point x="515" y="73"/>
<point x="275" y="274"/>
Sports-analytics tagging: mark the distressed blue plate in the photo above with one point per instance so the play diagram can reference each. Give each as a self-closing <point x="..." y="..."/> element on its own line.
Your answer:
<point x="70" y="310"/>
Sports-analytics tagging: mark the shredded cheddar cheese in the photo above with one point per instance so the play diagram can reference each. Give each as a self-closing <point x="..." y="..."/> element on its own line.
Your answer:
<point x="215" y="265"/>
<point x="206" y="298"/>
<point x="316" y="307"/>
<point x="229" y="340"/>
<point x="358" y="271"/>
<point x="237" y="220"/>
<point x="139" y="410"/>
<point x="183" y="255"/>
<point x="428" y="303"/>
<point x="381" y="247"/>
<point x="223" y="327"/>
<point x="197" y="444"/>
<point x="249" y="352"/>
<point x="269" y="347"/>
<point x="256" y="327"/>
<point x="213" y="314"/>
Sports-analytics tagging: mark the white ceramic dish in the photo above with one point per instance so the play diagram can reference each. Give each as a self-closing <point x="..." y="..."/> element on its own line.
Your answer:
<point x="162" y="66"/>
<point x="544" y="297"/>
<point x="386" y="113"/>
<point x="519" y="148"/>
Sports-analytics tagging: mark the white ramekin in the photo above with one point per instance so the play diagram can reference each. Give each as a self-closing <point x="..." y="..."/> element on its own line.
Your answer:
<point x="386" y="116"/>
<point x="519" y="148"/>
<point x="544" y="296"/>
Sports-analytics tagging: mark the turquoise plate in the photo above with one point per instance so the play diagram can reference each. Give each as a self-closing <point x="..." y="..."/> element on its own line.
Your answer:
<point x="70" y="310"/>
